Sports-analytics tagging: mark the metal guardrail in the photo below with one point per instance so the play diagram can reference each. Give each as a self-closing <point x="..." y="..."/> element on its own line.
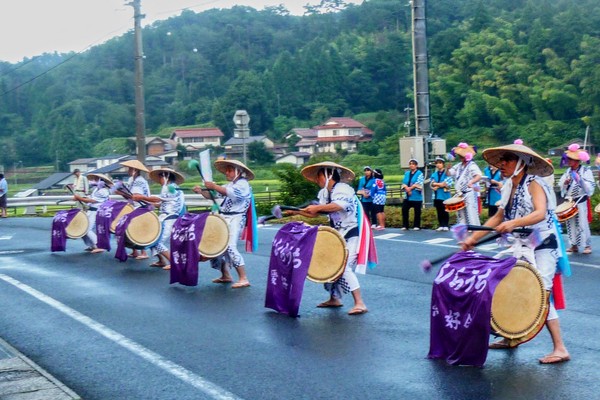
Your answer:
<point x="31" y="204"/>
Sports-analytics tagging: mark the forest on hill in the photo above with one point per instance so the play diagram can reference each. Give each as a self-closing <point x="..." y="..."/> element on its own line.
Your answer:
<point x="499" y="70"/>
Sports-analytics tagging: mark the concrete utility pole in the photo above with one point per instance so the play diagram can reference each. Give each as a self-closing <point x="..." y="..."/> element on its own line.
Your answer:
<point x="140" y="120"/>
<point x="420" y="69"/>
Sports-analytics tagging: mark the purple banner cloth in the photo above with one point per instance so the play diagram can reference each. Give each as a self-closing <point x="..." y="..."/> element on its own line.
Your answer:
<point x="61" y="220"/>
<point x="290" y="258"/>
<point x="121" y="253"/>
<point x="107" y="212"/>
<point x="461" y="304"/>
<point x="185" y="238"/>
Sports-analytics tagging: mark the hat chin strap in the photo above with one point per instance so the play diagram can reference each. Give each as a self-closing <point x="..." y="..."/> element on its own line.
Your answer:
<point x="508" y="185"/>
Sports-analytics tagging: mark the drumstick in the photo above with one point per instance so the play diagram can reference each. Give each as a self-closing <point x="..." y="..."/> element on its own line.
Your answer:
<point x="427" y="265"/>
<point x="194" y="163"/>
<point x="121" y="187"/>
<point x="73" y="193"/>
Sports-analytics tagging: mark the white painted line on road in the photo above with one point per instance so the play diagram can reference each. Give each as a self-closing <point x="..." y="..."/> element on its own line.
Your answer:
<point x="438" y="240"/>
<point x="6" y="237"/>
<point x="11" y="252"/>
<point x="388" y="236"/>
<point x="488" y="247"/>
<point x="209" y="388"/>
<point x="584" y="264"/>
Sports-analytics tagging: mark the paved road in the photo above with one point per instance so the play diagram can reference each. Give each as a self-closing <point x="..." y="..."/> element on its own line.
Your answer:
<point x="118" y="330"/>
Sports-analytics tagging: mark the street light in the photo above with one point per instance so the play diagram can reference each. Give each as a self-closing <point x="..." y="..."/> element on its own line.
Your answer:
<point x="241" y="120"/>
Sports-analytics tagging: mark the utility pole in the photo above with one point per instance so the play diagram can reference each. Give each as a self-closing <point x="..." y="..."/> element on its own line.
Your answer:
<point x="140" y="120"/>
<point x="407" y="121"/>
<point x="420" y="71"/>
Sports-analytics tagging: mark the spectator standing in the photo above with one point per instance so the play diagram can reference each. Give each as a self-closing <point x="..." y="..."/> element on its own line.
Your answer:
<point x="3" y="195"/>
<point x="412" y="184"/>
<point x="365" y="183"/>
<point x="379" y="194"/>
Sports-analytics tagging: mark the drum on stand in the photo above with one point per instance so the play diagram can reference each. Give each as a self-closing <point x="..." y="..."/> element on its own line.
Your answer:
<point x="215" y="237"/>
<point x="124" y="211"/>
<point x="566" y="211"/>
<point x="78" y="226"/>
<point x="329" y="256"/>
<point x="520" y="305"/>
<point x="455" y="203"/>
<point x="143" y="231"/>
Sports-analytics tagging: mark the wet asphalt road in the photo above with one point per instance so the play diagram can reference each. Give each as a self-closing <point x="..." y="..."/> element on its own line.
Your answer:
<point x="113" y="330"/>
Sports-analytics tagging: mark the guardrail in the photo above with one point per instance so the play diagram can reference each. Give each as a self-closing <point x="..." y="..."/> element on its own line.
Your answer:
<point x="31" y="204"/>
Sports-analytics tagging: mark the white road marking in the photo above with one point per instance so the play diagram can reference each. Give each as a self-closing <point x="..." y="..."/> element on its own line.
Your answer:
<point x="388" y="236"/>
<point x="209" y="388"/>
<point x="584" y="264"/>
<point x="6" y="237"/>
<point x="11" y="252"/>
<point x="438" y="240"/>
<point x="488" y="247"/>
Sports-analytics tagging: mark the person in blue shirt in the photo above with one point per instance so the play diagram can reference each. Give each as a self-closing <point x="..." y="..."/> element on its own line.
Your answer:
<point x="3" y="195"/>
<point x="412" y="184"/>
<point x="365" y="184"/>
<point x="493" y="187"/>
<point x="440" y="185"/>
<point x="379" y="195"/>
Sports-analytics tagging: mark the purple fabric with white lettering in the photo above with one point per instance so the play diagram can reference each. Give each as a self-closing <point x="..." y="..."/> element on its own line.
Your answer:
<point x="461" y="304"/>
<point x="120" y="230"/>
<point x="290" y="258"/>
<point x="107" y="212"/>
<point x="61" y="220"/>
<point x="185" y="238"/>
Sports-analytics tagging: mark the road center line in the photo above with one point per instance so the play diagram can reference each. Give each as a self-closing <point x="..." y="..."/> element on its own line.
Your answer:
<point x="212" y="390"/>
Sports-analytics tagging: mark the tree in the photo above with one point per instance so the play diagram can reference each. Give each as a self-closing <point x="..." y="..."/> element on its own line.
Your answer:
<point x="258" y="153"/>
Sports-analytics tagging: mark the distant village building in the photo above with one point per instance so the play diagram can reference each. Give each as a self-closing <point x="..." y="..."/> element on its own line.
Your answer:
<point x="194" y="140"/>
<point x="298" y="158"/>
<point x="558" y="151"/>
<point x="234" y="147"/>
<point x="338" y="133"/>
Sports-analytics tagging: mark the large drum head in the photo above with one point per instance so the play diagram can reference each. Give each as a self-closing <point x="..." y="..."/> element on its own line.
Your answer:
<point x="520" y="304"/>
<point x="78" y="226"/>
<point x="124" y="211"/>
<point x="215" y="237"/>
<point x="455" y="203"/>
<point x="143" y="230"/>
<point x="329" y="256"/>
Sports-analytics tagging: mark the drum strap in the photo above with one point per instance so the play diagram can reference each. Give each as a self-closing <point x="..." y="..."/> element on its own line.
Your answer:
<point x="231" y="213"/>
<point x="549" y="243"/>
<point x="93" y="209"/>
<point x="351" y="233"/>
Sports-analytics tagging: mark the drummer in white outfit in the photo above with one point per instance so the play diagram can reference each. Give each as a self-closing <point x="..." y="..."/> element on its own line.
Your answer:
<point x="577" y="184"/>
<point x="100" y="184"/>
<point x="466" y="177"/>
<point x="136" y="184"/>
<point x="338" y="200"/>
<point x="172" y="205"/>
<point x="526" y="202"/>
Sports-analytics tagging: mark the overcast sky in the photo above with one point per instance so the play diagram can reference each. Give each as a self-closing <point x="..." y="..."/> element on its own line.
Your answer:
<point x="32" y="27"/>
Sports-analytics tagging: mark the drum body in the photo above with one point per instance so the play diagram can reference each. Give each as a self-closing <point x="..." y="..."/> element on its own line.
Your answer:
<point x="454" y="203"/>
<point x="143" y="231"/>
<point x="520" y="305"/>
<point x="78" y="226"/>
<point x="215" y="237"/>
<point x="124" y="211"/>
<point x="566" y="211"/>
<point x="329" y="256"/>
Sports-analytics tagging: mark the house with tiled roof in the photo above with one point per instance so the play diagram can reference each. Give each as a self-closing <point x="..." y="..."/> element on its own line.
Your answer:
<point x="196" y="139"/>
<point x="338" y="133"/>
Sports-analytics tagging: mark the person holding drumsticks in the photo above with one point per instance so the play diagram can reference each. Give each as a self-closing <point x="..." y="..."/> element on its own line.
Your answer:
<point x="440" y="185"/>
<point x="100" y="193"/>
<point x="466" y="177"/>
<point x="238" y="198"/>
<point x="526" y="202"/>
<point x="136" y="184"/>
<point x="172" y="204"/>
<point x="577" y="184"/>
<point x="340" y="204"/>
